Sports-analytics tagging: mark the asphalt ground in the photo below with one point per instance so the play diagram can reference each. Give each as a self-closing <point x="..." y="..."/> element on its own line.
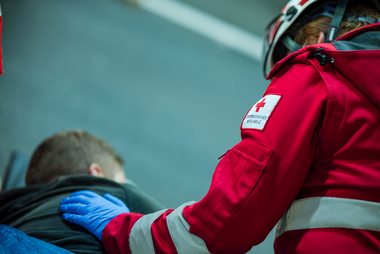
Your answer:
<point x="169" y="100"/>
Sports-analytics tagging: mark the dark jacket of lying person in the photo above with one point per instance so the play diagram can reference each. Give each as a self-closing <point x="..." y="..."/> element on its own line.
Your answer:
<point x="64" y="163"/>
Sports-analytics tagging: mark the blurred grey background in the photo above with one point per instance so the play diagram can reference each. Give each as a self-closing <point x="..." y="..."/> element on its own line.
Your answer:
<point x="169" y="99"/>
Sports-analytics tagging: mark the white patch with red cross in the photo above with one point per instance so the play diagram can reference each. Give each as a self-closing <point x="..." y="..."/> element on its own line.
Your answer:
<point x="259" y="114"/>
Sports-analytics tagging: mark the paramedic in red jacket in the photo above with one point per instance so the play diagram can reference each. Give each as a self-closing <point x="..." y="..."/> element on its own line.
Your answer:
<point x="309" y="156"/>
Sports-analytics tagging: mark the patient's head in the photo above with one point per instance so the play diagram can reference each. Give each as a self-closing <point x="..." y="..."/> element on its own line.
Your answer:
<point x="74" y="152"/>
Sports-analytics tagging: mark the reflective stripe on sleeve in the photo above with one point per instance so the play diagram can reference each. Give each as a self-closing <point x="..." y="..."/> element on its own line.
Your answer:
<point x="328" y="212"/>
<point x="184" y="241"/>
<point x="140" y="238"/>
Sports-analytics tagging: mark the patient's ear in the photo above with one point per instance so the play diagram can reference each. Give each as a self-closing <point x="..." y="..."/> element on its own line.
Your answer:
<point x="95" y="170"/>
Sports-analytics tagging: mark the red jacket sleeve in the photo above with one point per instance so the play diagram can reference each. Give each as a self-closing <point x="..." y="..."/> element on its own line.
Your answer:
<point x="258" y="179"/>
<point x="115" y="234"/>
<point x="253" y="184"/>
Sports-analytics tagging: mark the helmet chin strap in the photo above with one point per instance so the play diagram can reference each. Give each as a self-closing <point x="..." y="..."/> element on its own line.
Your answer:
<point x="337" y="19"/>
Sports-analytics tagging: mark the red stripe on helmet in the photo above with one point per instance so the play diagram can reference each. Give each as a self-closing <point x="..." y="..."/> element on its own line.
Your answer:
<point x="284" y="9"/>
<point x="303" y="2"/>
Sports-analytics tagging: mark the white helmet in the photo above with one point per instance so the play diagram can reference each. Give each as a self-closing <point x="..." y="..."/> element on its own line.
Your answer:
<point x="303" y="11"/>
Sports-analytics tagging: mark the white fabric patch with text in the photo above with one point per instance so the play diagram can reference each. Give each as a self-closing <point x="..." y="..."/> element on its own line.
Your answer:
<point x="259" y="114"/>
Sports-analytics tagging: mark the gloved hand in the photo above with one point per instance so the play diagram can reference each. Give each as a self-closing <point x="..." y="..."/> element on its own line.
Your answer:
<point x="92" y="211"/>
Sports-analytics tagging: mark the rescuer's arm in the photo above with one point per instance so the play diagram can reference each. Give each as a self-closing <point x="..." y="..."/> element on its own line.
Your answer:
<point x="260" y="177"/>
<point x="253" y="184"/>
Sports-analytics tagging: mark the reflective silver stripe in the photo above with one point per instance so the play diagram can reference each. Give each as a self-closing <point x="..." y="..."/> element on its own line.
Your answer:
<point x="140" y="238"/>
<point x="327" y="212"/>
<point x="184" y="241"/>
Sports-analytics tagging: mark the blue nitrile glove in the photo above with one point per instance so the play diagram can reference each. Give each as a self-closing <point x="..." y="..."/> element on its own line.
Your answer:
<point x="92" y="211"/>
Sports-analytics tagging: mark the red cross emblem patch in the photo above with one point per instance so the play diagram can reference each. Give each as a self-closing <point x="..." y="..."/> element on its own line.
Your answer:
<point x="260" y="104"/>
<point x="259" y="114"/>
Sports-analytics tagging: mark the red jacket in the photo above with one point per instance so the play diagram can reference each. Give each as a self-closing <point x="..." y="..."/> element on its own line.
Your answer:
<point x="311" y="144"/>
